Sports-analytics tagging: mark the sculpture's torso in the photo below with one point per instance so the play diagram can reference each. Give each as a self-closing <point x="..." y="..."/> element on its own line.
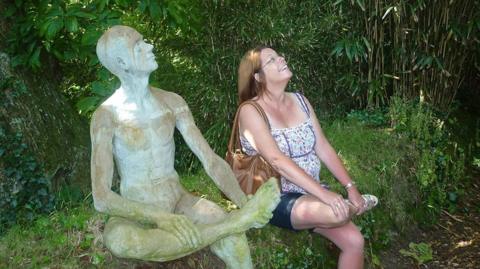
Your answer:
<point x="144" y="149"/>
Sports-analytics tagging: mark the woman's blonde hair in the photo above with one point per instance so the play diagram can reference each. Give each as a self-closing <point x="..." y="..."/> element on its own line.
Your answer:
<point x="248" y="86"/>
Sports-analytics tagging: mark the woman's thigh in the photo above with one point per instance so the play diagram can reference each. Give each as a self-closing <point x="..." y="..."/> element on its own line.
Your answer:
<point x="309" y="212"/>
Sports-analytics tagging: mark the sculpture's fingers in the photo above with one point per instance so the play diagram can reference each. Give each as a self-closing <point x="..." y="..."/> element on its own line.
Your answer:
<point x="197" y="235"/>
<point x="186" y="234"/>
<point x="178" y="232"/>
<point x="191" y="232"/>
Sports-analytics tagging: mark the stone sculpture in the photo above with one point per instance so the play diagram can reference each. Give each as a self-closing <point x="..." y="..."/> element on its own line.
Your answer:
<point x="154" y="218"/>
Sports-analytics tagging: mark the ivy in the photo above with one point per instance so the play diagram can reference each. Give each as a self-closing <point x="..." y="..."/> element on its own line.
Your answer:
<point x="25" y="190"/>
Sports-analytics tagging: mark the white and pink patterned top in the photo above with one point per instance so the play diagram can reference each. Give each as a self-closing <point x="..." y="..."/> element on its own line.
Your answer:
<point x="298" y="143"/>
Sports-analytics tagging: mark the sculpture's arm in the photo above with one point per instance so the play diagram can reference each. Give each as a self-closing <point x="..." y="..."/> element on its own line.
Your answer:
<point x="214" y="165"/>
<point x="107" y="201"/>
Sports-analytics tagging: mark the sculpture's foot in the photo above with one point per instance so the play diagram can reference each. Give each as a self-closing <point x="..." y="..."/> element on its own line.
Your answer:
<point x="258" y="210"/>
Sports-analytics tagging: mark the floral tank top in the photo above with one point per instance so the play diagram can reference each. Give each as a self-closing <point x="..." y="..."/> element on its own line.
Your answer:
<point x="297" y="143"/>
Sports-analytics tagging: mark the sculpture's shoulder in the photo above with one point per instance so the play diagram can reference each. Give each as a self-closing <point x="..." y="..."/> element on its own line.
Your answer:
<point x="103" y="116"/>
<point x="174" y="101"/>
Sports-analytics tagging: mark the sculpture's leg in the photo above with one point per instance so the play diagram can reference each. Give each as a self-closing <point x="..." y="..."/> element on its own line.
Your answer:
<point x="129" y="239"/>
<point x="233" y="249"/>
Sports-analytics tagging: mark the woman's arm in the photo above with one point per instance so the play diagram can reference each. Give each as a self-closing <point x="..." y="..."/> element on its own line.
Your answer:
<point x="256" y="131"/>
<point x="329" y="157"/>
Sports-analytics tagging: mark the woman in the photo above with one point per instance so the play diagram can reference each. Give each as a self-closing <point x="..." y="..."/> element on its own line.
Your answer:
<point x="294" y="145"/>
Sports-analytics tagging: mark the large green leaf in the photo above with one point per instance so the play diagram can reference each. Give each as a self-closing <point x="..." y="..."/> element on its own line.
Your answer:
<point x="88" y="104"/>
<point x="101" y="89"/>
<point x="91" y="36"/>
<point x="71" y="24"/>
<point x="53" y="28"/>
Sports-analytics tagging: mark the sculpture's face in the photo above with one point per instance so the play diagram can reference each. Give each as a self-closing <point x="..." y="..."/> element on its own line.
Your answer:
<point x="138" y="56"/>
<point x="143" y="57"/>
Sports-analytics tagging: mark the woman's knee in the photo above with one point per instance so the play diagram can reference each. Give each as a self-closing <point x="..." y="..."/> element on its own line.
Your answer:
<point x="330" y="220"/>
<point x="356" y="241"/>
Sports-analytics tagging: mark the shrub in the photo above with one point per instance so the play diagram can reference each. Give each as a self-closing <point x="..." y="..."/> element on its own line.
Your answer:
<point x="381" y="164"/>
<point x="441" y="162"/>
<point x="24" y="188"/>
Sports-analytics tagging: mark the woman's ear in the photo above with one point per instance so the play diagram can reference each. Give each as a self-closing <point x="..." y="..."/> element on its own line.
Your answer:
<point x="257" y="77"/>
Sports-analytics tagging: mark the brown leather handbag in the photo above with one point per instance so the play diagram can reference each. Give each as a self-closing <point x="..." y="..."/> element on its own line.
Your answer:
<point x="251" y="171"/>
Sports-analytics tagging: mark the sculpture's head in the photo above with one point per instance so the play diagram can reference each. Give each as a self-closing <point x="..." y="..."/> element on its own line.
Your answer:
<point x="122" y="50"/>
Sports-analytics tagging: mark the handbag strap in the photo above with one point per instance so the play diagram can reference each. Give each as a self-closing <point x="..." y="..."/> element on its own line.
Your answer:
<point x="235" y="135"/>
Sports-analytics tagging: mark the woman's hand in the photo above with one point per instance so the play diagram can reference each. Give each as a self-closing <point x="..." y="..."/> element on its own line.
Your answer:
<point x="337" y="203"/>
<point x="356" y="199"/>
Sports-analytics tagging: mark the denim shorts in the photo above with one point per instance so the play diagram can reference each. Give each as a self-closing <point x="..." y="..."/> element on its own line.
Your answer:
<point x="281" y="214"/>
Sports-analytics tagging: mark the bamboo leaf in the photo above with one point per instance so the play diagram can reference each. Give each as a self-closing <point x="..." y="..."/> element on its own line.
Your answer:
<point x="386" y="12"/>
<point x="348" y="51"/>
<point x="361" y="4"/>
<point x="337" y="2"/>
<point x="438" y="63"/>
<point x="367" y="44"/>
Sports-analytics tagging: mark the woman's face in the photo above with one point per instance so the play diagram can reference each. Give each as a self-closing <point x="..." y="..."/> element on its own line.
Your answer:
<point x="274" y="67"/>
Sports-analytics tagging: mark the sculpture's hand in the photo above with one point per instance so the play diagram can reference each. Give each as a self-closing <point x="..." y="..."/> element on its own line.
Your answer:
<point x="182" y="228"/>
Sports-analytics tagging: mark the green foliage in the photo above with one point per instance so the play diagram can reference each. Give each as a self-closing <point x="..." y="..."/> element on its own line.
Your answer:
<point x="381" y="164"/>
<point x="69" y="238"/>
<point x="68" y="32"/>
<point x="202" y="67"/>
<point x="377" y="160"/>
<point x="374" y="118"/>
<point x="421" y="252"/>
<point x="24" y="187"/>
<point x="440" y="161"/>
<point x="409" y="49"/>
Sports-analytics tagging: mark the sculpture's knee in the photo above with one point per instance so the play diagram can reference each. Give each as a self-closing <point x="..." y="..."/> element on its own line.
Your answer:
<point x="121" y="240"/>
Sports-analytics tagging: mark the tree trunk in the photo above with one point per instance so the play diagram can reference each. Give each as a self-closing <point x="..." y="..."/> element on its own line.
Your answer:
<point x="31" y="105"/>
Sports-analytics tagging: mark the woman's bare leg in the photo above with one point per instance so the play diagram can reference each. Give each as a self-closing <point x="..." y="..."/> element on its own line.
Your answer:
<point x="351" y="243"/>
<point x="308" y="212"/>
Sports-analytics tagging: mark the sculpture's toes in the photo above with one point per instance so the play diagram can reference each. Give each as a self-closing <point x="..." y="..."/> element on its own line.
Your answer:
<point x="262" y="220"/>
<point x="268" y="195"/>
<point x="265" y="201"/>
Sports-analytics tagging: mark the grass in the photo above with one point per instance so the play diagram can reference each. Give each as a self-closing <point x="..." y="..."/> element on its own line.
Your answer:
<point x="379" y="162"/>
